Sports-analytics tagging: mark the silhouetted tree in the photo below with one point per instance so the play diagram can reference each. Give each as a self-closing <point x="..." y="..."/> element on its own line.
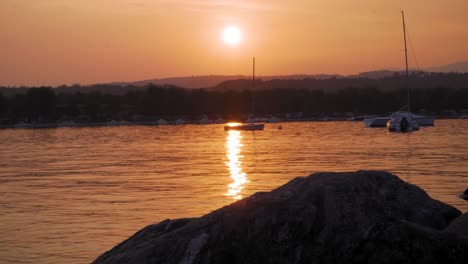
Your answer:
<point x="431" y="92"/>
<point x="2" y="104"/>
<point x="41" y="103"/>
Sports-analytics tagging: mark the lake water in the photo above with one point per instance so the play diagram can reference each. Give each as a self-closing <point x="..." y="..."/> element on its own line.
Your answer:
<point x="69" y="194"/>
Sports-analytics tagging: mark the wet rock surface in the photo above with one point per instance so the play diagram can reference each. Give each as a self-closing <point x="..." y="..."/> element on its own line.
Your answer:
<point x="354" y="217"/>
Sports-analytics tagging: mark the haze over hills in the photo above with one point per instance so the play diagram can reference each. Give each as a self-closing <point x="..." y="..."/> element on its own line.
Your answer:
<point x="454" y="67"/>
<point x="458" y="67"/>
<point x="208" y="81"/>
<point x="381" y="78"/>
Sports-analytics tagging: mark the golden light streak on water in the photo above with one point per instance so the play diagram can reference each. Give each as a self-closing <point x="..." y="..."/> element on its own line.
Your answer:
<point x="233" y="148"/>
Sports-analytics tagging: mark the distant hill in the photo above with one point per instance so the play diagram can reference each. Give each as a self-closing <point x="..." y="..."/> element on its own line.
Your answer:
<point x="384" y="81"/>
<point x="460" y="67"/>
<point x="381" y="74"/>
<point x="207" y="81"/>
<point x="378" y="78"/>
<point x="186" y="82"/>
<point x="376" y="74"/>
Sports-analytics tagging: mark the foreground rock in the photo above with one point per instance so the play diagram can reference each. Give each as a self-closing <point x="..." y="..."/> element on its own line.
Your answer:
<point x="360" y="217"/>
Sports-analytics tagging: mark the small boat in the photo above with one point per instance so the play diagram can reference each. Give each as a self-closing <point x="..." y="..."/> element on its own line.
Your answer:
<point x="161" y="122"/>
<point x="179" y="122"/>
<point x="247" y="127"/>
<point x="205" y="121"/>
<point x="219" y="121"/>
<point x="113" y="123"/>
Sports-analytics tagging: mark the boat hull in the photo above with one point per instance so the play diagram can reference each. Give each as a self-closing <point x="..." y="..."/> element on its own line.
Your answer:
<point x="382" y="121"/>
<point x="424" y="121"/>
<point x="395" y="126"/>
<point x="247" y="127"/>
<point x="376" y="121"/>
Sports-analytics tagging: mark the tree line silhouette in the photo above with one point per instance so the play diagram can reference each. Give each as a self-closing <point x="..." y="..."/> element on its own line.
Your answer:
<point x="46" y="104"/>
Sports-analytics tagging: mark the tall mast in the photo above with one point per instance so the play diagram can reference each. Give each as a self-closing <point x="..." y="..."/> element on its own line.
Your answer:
<point x="253" y="86"/>
<point x="406" y="59"/>
<point x="253" y="74"/>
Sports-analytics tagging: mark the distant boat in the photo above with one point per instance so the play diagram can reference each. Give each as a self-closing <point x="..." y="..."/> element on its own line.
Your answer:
<point x="250" y="125"/>
<point x="161" y="122"/>
<point x="179" y="122"/>
<point x="113" y="123"/>
<point x="205" y="121"/>
<point x="247" y="126"/>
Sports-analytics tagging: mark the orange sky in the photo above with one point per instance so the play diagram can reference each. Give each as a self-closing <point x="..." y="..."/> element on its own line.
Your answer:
<point x="53" y="42"/>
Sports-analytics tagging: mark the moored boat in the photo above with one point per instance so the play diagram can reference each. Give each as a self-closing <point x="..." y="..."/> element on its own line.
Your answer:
<point x="382" y="121"/>
<point x="248" y="126"/>
<point x="161" y="122"/>
<point x="401" y="121"/>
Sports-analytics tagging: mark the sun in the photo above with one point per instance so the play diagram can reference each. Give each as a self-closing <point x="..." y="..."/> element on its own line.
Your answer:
<point x="232" y="35"/>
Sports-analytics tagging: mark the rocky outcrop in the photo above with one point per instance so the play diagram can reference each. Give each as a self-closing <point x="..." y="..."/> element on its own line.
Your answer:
<point x="358" y="217"/>
<point x="459" y="226"/>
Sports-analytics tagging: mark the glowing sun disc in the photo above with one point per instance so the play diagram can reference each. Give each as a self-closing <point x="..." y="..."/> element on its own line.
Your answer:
<point x="232" y="35"/>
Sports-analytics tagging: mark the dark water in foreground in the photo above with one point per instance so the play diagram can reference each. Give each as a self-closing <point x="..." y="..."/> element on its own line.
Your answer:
<point x="69" y="194"/>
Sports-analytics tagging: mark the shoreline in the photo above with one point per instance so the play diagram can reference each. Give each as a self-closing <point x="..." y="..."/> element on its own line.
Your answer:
<point x="113" y="123"/>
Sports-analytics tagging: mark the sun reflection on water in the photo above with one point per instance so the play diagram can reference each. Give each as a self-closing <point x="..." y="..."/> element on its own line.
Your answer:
<point x="233" y="147"/>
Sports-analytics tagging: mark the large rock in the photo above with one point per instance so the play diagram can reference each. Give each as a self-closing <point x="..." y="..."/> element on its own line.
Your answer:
<point x="459" y="226"/>
<point x="359" y="217"/>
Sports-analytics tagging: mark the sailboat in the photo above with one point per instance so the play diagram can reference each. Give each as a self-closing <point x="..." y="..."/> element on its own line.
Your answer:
<point x="250" y="125"/>
<point x="401" y="121"/>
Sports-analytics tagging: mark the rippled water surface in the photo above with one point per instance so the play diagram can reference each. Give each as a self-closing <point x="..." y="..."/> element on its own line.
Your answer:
<point x="69" y="194"/>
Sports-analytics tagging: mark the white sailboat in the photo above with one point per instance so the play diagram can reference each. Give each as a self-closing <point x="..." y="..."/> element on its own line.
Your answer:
<point x="401" y="121"/>
<point x="249" y="125"/>
<point x="382" y="121"/>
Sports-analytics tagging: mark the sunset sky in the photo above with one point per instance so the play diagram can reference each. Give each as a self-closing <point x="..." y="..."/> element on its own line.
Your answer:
<point x="53" y="42"/>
